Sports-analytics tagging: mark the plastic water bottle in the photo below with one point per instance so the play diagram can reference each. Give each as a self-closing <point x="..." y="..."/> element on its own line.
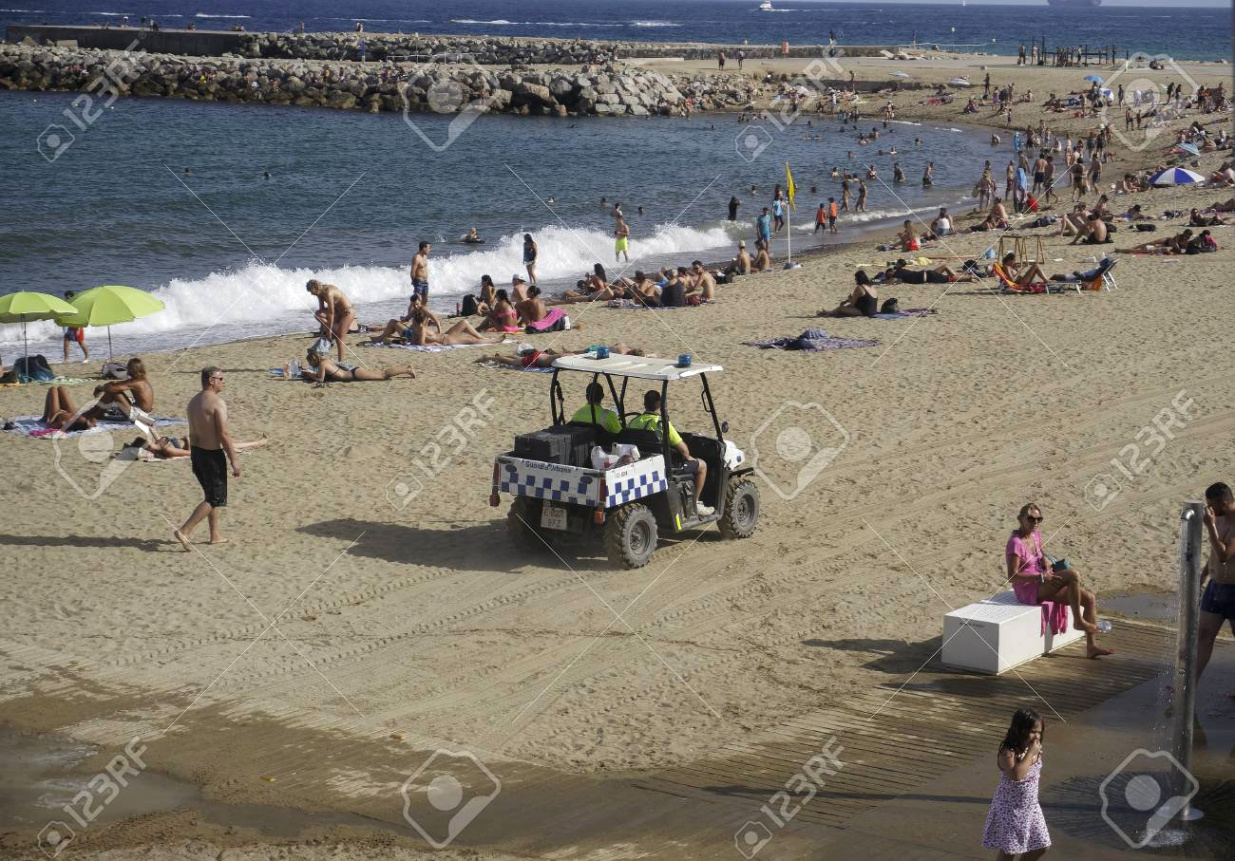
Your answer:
<point x="295" y="375"/>
<point x="1104" y="627"/>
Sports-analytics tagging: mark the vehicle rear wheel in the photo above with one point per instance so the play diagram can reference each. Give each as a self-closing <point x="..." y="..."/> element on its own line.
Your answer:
<point x="741" y="508"/>
<point x="630" y="535"/>
<point x="523" y="525"/>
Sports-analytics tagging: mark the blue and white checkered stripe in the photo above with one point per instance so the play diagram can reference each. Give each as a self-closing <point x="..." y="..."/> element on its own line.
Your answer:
<point x="636" y="487"/>
<point x="576" y="491"/>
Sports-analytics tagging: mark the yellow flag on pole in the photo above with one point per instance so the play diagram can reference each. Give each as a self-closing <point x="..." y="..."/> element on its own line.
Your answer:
<point x="791" y="190"/>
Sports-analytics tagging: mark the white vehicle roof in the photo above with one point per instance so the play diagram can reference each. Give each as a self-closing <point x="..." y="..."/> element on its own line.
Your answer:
<point x="638" y="367"/>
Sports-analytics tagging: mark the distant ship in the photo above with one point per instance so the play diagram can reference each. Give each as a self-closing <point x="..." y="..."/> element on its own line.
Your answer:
<point x="1081" y="4"/>
<point x="766" y="6"/>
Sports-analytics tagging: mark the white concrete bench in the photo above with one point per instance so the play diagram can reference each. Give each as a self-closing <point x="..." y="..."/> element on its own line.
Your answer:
<point x="1000" y="633"/>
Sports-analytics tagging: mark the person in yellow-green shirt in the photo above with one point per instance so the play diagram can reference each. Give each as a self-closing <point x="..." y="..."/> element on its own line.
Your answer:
<point x="594" y="414"/>
<point x="650" y="419"/>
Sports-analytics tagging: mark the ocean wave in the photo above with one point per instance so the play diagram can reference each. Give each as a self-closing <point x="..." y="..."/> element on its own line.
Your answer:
<point x="27" y="11"/>
<point x="654" y="24"/>
<point x="258" y="294"/>
<point x="209" y="15"/>
<point x="114" y="14"/>
<point x="500" y="22"/>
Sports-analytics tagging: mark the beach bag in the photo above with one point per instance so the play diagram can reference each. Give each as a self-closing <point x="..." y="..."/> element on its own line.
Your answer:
<point x="33" y="369"/>
<point x="890" y="306"/>
<point x="115" y="371"/>
<point x="1145" y="228"/>
<point x="469" y="308"/>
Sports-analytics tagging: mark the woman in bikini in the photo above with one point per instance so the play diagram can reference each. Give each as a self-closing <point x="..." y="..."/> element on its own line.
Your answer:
<point x="502" y="317"/>
<point x="545" y="358"/>
<point x="167" y="447"/>
<point x="325" y="370"/>
<point x="1034" y="579"/>
<point x="58" y="410"/>
<point x="460" y="333"/>
<point x="398" y="327"/>
<point x="334" y="312"/>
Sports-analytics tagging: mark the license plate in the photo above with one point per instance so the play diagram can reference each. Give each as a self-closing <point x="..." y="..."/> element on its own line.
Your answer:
<point x="553" y="517"/>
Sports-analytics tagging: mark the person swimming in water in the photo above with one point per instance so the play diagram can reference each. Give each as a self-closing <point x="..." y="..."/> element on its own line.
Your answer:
<point x="473" y="238"/>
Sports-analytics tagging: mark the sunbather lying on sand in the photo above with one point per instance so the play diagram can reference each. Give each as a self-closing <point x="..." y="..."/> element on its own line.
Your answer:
<point x="941" y="274"/>
<point x="1177" y="244"/>
<point x="462" y="332"/>
<point x="166" y="447"/>
<point x="545" y="358"/>
<point x="326" y="370"/>
<point x="399" y="327"/>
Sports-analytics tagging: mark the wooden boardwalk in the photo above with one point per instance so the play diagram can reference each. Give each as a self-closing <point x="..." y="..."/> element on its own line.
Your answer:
<point x="942" y="716"/>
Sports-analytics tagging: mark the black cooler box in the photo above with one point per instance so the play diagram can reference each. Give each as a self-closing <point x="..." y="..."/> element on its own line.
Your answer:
<point x="568" y="445"/>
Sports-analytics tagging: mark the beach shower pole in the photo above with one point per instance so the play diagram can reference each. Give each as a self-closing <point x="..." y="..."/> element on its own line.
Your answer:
<point x="1185" y="660"/>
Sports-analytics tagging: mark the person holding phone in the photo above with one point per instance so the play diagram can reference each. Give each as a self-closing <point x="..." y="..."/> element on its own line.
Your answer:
<point x="1035" y="578"/>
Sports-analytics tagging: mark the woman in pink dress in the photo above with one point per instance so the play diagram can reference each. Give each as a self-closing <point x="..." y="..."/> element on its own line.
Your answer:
<point x="1015" y="825"/>
<point x="1035" y="580"/>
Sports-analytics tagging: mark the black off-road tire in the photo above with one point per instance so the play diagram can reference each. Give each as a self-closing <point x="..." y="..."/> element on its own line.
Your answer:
<point x="630" y="535"/>
<point x="741" y="508"/>
<point x="523" y="525"/>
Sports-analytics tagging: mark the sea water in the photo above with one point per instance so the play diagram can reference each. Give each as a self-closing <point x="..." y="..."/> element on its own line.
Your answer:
<point x="170" y="197"/>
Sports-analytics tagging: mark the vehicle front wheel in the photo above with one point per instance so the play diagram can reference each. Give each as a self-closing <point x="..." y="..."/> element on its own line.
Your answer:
<point x="741" y="508"/>
<point x="523" y="524"/>
<point x="630" y="535"/>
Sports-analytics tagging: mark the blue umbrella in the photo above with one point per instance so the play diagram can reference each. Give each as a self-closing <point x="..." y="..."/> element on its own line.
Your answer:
<point x="1187" y="147"/>
<point x="1093" y="78"/>
<point x="1177" y="176"/>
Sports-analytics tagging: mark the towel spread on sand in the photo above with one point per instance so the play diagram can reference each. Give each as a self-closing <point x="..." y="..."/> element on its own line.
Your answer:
<point x="908" y="312"/>
<point x="548" y="321"/>
<point x="811" y="341"/>
<point x="427" y="348"/>
<point x="58" y="381"/>
<point x="34" y="426"/>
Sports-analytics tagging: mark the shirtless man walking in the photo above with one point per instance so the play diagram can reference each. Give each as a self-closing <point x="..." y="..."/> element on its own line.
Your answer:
<point x="209" y="441"/>
<point x="420" y="272"/>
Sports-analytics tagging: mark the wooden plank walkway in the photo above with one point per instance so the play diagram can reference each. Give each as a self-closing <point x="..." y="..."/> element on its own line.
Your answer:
<point x="944" y="716"/>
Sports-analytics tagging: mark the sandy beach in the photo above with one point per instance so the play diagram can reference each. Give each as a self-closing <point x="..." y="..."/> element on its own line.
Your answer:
<point x="348" y="628"/>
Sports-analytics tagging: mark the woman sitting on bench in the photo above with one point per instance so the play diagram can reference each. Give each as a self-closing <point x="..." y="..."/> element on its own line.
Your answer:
<point x="1035" y="580"/>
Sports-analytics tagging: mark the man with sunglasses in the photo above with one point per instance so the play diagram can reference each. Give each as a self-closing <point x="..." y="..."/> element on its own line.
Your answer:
<point x="1035" y="578"/>
<point x="209" y="439"/>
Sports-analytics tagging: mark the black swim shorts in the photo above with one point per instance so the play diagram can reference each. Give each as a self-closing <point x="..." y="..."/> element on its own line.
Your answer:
<point x="210" y="469"/>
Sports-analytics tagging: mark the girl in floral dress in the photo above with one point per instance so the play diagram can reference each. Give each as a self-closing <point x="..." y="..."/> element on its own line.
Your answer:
<point x="1015" y="825"/>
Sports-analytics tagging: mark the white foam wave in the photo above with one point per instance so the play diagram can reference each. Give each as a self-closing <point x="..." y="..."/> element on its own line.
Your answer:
<point x="256" y="293"/>
<point x="654" y="24"/>
<point x="500" y="22"/>
<point x="209" y="15"/>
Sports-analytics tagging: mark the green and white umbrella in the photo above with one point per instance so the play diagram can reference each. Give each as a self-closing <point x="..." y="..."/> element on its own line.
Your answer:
<point x="26" y="306"/>
<point x="109" y="305"/>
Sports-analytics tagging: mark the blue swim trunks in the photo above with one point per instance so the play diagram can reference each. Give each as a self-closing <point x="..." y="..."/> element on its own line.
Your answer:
<point x="420" y="286"/>
<point x="1219" y="598"/>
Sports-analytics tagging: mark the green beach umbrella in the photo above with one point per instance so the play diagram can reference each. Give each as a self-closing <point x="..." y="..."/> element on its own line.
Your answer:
<point x="26" y="306"/>
<point x="109" y="305"/>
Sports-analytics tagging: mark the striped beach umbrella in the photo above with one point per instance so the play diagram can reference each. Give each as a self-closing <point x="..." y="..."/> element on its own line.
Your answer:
<point x="1177" y="176"/>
